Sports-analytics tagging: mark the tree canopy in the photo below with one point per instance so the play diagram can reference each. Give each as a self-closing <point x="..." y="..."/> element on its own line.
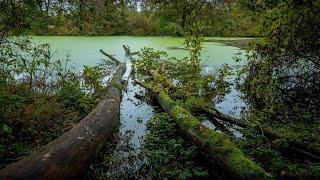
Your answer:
<point x="130" y="17"/>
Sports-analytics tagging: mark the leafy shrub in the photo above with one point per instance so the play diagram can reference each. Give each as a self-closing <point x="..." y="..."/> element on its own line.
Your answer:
<point x="184" y="74"/>
<point x="40" y="98"/>
<point x="170" y="156"/>
<point x="71" y="96"/>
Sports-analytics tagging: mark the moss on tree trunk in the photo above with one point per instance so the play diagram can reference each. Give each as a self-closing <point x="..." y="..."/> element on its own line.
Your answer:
<point x="216" y="146"/>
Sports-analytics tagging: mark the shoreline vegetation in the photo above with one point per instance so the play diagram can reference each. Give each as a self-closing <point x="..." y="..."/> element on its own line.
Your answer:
<point x="81" y="143"/>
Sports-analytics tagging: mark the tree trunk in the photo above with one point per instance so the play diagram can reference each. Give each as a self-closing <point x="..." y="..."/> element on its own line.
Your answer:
<point x="68" y="156"/>
<point x="224" y="117"/>
<point x="216" y="146"/>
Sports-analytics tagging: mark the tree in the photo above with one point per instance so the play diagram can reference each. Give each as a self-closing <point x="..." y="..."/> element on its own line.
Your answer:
<point x="16" y="16"/>
<point x="283" y="75"/>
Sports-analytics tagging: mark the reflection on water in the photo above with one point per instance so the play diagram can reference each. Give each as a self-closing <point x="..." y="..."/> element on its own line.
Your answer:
<point x="134" y="112"/>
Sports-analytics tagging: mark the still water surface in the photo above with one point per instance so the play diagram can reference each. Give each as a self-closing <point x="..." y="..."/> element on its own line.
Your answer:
<point x="134" y="112"/>
<point x="85" y="51"/>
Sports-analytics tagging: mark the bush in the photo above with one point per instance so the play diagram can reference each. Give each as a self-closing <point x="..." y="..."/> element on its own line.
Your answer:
<point x="39" y="98"/>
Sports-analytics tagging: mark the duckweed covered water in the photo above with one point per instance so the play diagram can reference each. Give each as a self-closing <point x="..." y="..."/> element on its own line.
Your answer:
<point x="135" y="113"/>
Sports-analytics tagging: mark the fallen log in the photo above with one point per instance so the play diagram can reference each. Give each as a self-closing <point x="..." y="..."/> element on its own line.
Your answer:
<point x="312" y="151"/>
<point x="213" y="112"/>
<point x="216" y="146"/>
<point x="176" y="48"/>
<point x="68" y="156"/>
<point x="224" y="117"/>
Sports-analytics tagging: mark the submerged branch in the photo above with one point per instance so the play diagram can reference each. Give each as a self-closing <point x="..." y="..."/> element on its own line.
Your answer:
<point x="224" y="117"/>
<point x="111" y="57"/>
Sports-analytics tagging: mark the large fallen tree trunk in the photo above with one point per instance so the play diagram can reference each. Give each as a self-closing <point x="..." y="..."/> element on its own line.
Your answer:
<point x="68" y="156"/>
<point x="312" y="151"/>
<point x="216" y="146"/>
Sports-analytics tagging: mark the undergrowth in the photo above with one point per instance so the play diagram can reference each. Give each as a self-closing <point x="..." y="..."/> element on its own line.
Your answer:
<point x="41" y="97"/>
<point x="165" y="154"/>
<point x="170" y="155"/>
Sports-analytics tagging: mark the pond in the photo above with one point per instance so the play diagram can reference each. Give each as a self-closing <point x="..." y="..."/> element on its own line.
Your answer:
<point x="134" y="112"/>
<point x="85" y="51"/>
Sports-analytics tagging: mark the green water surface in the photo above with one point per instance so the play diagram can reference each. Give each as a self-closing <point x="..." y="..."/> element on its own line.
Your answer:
<point x="85" y="50"/>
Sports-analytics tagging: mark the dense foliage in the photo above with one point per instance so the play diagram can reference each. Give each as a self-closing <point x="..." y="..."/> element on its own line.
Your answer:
<point x="185" y="79"/>
<point x="40" y="96"/>
<point x="283" y="74"/>
<point x="169" y="155"/>
<point x="129" y="17"/>
<point x="281" y="84"/>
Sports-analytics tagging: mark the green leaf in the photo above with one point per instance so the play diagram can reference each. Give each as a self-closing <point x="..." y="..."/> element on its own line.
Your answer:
<point x="6" y="129"/>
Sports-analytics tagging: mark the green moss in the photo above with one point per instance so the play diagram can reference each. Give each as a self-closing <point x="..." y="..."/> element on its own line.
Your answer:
<point x="194" y="103"/>
<point x="218" y="145"/>
<point x="118" y="86"/>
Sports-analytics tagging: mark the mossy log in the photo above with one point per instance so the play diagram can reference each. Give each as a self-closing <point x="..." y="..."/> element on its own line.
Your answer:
<point x="309" y="150"/>
<point x="216" y="146"/>
<point x="212" y="112"/>
<point x="68" y="156"/>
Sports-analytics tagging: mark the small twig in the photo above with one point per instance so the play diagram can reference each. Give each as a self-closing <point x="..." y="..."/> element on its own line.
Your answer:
<point x="262" y="133"/>
<point x="307" y="154"/>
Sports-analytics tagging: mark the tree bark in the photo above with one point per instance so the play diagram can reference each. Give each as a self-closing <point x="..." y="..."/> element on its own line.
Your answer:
<point x="224" y="117"/>
<point x="216" y="146"/>
<point x="68" y="156"/>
